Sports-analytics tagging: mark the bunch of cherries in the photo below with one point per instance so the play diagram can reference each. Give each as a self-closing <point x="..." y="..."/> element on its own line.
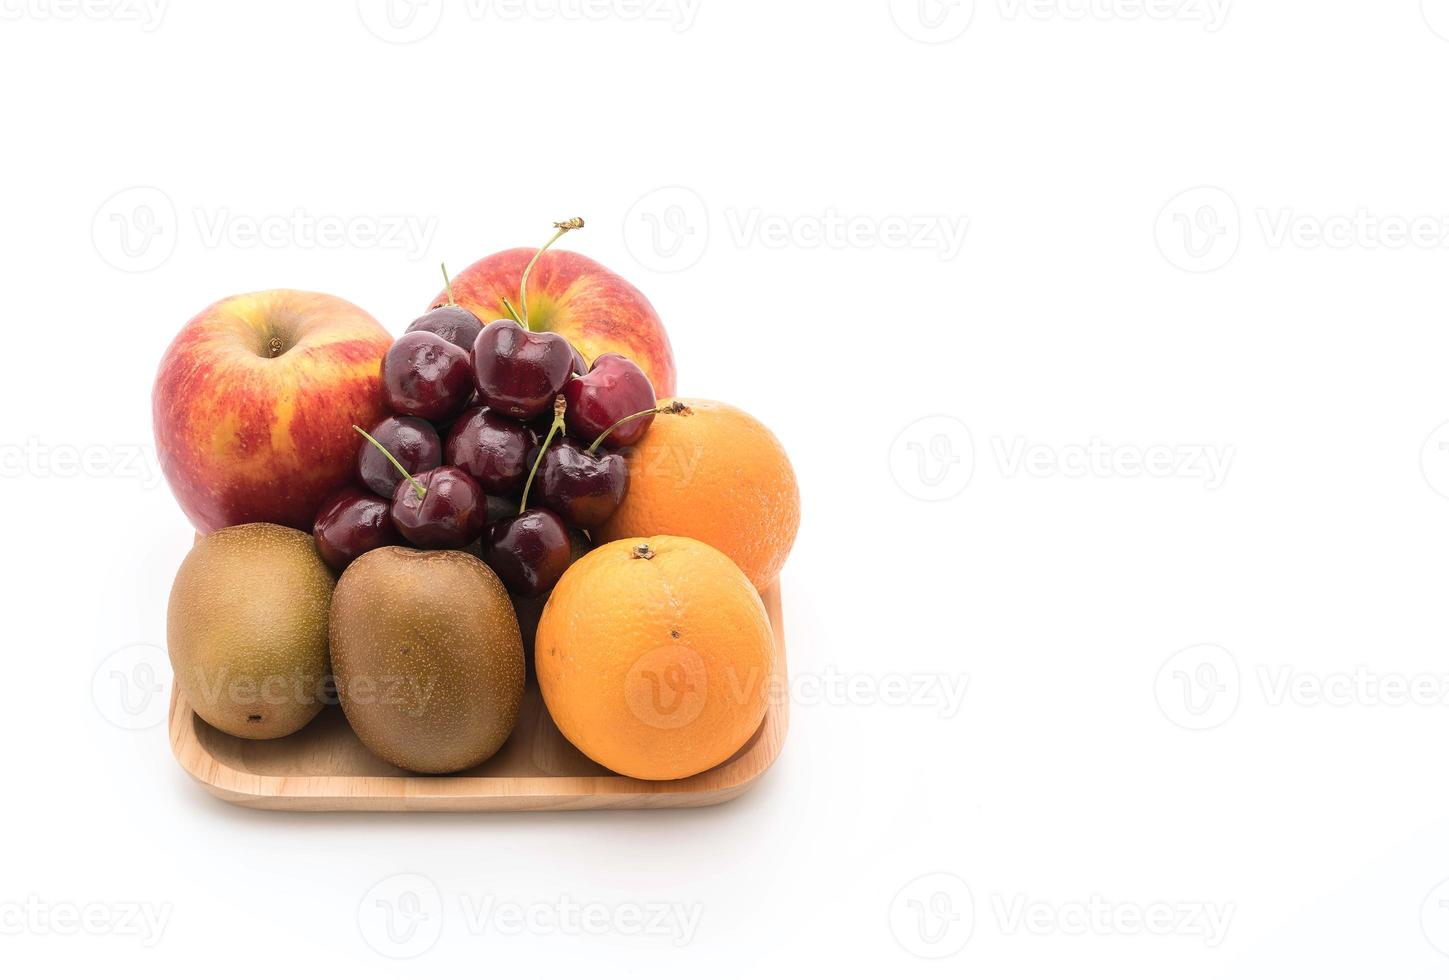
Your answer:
<point x="485" y="422"/>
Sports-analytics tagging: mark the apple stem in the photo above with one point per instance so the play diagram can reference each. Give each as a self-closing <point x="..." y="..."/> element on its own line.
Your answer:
<point x="673" y="408"/>
<point x="448" y="283"/>
<point x="559" y="404"/>
<point x="564" y="227"/>
<point x="422" y="490"/>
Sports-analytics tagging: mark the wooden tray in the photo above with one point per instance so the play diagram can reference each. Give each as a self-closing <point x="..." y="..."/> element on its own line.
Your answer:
<point x="325" y="767"/>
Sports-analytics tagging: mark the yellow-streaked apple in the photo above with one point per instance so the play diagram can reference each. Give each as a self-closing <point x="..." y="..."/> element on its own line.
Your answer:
<point x="254" y="404"/>
<point x="571" y="294"/>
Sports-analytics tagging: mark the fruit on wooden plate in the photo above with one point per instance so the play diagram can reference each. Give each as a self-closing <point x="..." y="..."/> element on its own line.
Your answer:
<point x="427" y="658"/>
<point x="246" y="628"/>
<point x="254" y="401"/>
<point x="710" y="471"/>
<point x="597" y="310"/>
<point x="654" y="657"/>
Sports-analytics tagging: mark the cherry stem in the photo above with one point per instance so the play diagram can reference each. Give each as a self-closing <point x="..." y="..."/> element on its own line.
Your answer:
<point x="447" y="282"/>
<point x="559" y="404"/>
<point x="564" y="227"/>
<point x="512" y="312"/>
<point x="422" y="490"/>
<point x="673" y="408"/>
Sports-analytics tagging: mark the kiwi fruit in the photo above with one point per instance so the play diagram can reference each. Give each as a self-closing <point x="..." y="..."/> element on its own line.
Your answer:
<point x="427" y="657"/>
<point x="246" y="628"/>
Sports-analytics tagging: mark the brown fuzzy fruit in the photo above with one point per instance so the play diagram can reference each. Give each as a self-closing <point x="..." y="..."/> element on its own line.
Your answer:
<point x="246" y="628"/>
<point x="427" y="657"/>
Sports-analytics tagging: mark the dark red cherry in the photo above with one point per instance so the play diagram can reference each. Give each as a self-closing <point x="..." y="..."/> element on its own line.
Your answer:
<point x="449" y="515"/>
<point x="518" y="373"/>
<point x="453" y="323"/>
<point x="491" y="449"/>
<point x="352" y="523"/>
<point x="412" y="440"/>
<point x="614" y="388"/>
<point x="529" y="609"/>
<point x="580" y="366"/>
<point x="529" y="551"/>
<point x="426" y="376"/>
<point x="581" y="488"/>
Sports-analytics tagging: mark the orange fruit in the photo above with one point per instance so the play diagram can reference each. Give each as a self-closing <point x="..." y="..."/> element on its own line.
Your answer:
<point x="716" y="474"/>
<point x="654" y="657"/>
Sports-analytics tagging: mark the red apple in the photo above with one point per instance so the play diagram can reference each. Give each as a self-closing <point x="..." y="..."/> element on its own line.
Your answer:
<point x="255" y="401"/>
<point x="571" y="294"/>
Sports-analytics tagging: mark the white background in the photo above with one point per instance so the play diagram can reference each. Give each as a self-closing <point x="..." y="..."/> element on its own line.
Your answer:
<point x="1194" y="234"/>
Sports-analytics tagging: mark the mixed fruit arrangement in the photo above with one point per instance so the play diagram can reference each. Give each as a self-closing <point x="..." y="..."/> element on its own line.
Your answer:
<point x="511" y="484"/>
